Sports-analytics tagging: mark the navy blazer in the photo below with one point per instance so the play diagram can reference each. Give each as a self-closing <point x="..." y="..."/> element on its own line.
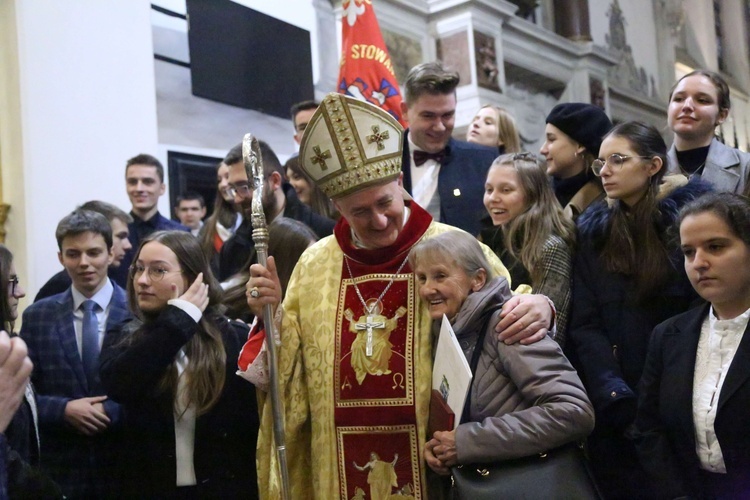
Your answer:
<point x="665" y="432"/>
<point x="463" y="173"/>
<point x="59" y="377"/>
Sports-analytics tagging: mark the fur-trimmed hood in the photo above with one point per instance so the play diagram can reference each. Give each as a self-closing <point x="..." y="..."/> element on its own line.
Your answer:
<point x="593" y="224"/>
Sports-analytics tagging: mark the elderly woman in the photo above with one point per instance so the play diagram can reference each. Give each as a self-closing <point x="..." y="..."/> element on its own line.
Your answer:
<point x="524" y="399"/>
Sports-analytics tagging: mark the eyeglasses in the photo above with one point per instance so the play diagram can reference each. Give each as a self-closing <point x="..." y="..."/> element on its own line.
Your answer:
<point x="242" y="189"/>
<point x="614" y="161"/>
<point x="13" y="282"/>
<point x="154" y="273"/>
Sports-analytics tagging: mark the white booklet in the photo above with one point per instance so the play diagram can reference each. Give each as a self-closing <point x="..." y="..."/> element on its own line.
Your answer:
<point x="451" y="373"/>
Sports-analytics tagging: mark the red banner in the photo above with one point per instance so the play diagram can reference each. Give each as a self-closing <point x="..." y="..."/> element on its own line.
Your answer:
<point x="366" y="69"/>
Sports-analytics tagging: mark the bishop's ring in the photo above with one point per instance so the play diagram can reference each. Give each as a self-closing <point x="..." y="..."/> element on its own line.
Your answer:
<point x="254" y="292"/>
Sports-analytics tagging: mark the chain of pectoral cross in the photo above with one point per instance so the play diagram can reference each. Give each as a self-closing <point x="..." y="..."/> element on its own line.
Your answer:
<point x="370" y="322"/>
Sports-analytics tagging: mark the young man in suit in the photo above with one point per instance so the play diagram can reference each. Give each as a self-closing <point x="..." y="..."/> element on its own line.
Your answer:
<point x="119" y="221"/>
<point x="64" y="332"/>
<point x="144" y="179"/>
<point x="445" y="176"/>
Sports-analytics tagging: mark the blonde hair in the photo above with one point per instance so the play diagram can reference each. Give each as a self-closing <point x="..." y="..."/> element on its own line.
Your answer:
<point x="525" y="235"/>
<point x="507" y="131"/>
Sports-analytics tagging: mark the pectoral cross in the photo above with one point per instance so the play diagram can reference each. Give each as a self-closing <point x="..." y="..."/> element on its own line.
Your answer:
<point x="368" y="326"/>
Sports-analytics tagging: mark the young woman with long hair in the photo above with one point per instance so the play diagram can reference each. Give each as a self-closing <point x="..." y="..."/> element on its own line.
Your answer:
<point x="691" y="426"/>
<point x="626" y="280"/>
<point x="698" y="103"/>
<point x="192" y="423"/>
<point x="224" y="219"/>
<point x="530" y="232"/>
<point x="307" y="191"/>
<point x="495" y="127"/>
<point x="287" y="239"/>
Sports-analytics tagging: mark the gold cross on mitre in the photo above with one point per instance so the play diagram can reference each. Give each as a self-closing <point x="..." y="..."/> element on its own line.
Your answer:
<point x="320" y="158"/>
<point x="378" y="136"/>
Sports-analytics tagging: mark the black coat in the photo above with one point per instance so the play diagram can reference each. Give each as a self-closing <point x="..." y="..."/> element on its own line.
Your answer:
<point x="665" y="431"/>
<point x="225" y="436"/>
<point x="608" y="330"/>
<point x="608" y="338"/>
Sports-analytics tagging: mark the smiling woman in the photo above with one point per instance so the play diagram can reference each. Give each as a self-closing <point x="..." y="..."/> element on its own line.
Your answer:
<point x="529" y="232"/>
<point x="699" y="102"/>
<point x="524" y="399"/>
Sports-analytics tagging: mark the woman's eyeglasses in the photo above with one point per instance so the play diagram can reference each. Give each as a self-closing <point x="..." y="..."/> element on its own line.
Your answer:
<point x="154" y="273"/>
<point x="614" y="161"/>
<point x="13" y="282"/>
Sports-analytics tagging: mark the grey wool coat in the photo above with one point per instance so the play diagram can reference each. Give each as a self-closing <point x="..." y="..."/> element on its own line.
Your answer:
<point x="726" y="168"/>
<point x="525" y="399"/>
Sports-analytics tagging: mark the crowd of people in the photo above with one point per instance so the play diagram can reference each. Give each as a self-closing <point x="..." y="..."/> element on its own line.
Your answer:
<point x="599" y="290"/>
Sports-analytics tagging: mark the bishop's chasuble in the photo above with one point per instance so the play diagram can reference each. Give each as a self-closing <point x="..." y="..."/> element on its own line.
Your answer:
<point x="355" y="379"/>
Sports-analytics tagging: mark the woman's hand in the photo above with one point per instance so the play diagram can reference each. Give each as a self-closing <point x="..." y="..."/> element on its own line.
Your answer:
<point x="432" y="461"/>
<point x="445" y="448"/>
<point x="197" y="294"/>
<point x="263" y="287"/>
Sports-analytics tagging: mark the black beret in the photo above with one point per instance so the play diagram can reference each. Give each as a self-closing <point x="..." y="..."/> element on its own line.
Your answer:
<point x="584" y="123"/>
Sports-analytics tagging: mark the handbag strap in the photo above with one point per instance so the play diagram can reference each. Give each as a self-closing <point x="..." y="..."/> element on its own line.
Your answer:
<point x="475" y="359"/>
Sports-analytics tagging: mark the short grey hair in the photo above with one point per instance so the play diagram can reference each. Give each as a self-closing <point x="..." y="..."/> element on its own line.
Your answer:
<point x="459" y="246"/>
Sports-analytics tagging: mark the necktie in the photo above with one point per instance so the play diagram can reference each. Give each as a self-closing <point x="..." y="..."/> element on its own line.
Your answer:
<point x="90" y="341"/>
<point x="422" y="156"/>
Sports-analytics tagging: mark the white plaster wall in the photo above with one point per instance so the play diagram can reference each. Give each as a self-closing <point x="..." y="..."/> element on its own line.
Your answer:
<point x="87" y="101"/>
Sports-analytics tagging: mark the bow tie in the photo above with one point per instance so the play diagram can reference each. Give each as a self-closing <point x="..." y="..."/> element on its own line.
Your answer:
<point x="422" y="156"/>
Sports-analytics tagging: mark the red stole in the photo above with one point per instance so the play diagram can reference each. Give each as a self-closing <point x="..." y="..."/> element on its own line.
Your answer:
<point x="375" y="414"/>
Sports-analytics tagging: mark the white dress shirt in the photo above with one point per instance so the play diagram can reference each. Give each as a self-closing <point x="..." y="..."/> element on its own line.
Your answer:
<point x="717" y="345"/>
<point x="424" y="182"/>
<point x="184" y="411"/>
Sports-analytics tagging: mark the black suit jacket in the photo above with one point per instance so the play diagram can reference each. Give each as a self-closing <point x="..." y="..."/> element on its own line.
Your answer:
<point x="665" y="433"/>
<point x="225" y="436"/>
<point x="463" y="172"/>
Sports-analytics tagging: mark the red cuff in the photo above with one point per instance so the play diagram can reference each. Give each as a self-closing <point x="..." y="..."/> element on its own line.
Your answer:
<point x="252" y="347"/>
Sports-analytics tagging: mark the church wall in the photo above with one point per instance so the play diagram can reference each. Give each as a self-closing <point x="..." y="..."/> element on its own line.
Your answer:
<point x="640" y="34"/>
<point x="87" y="101"/>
